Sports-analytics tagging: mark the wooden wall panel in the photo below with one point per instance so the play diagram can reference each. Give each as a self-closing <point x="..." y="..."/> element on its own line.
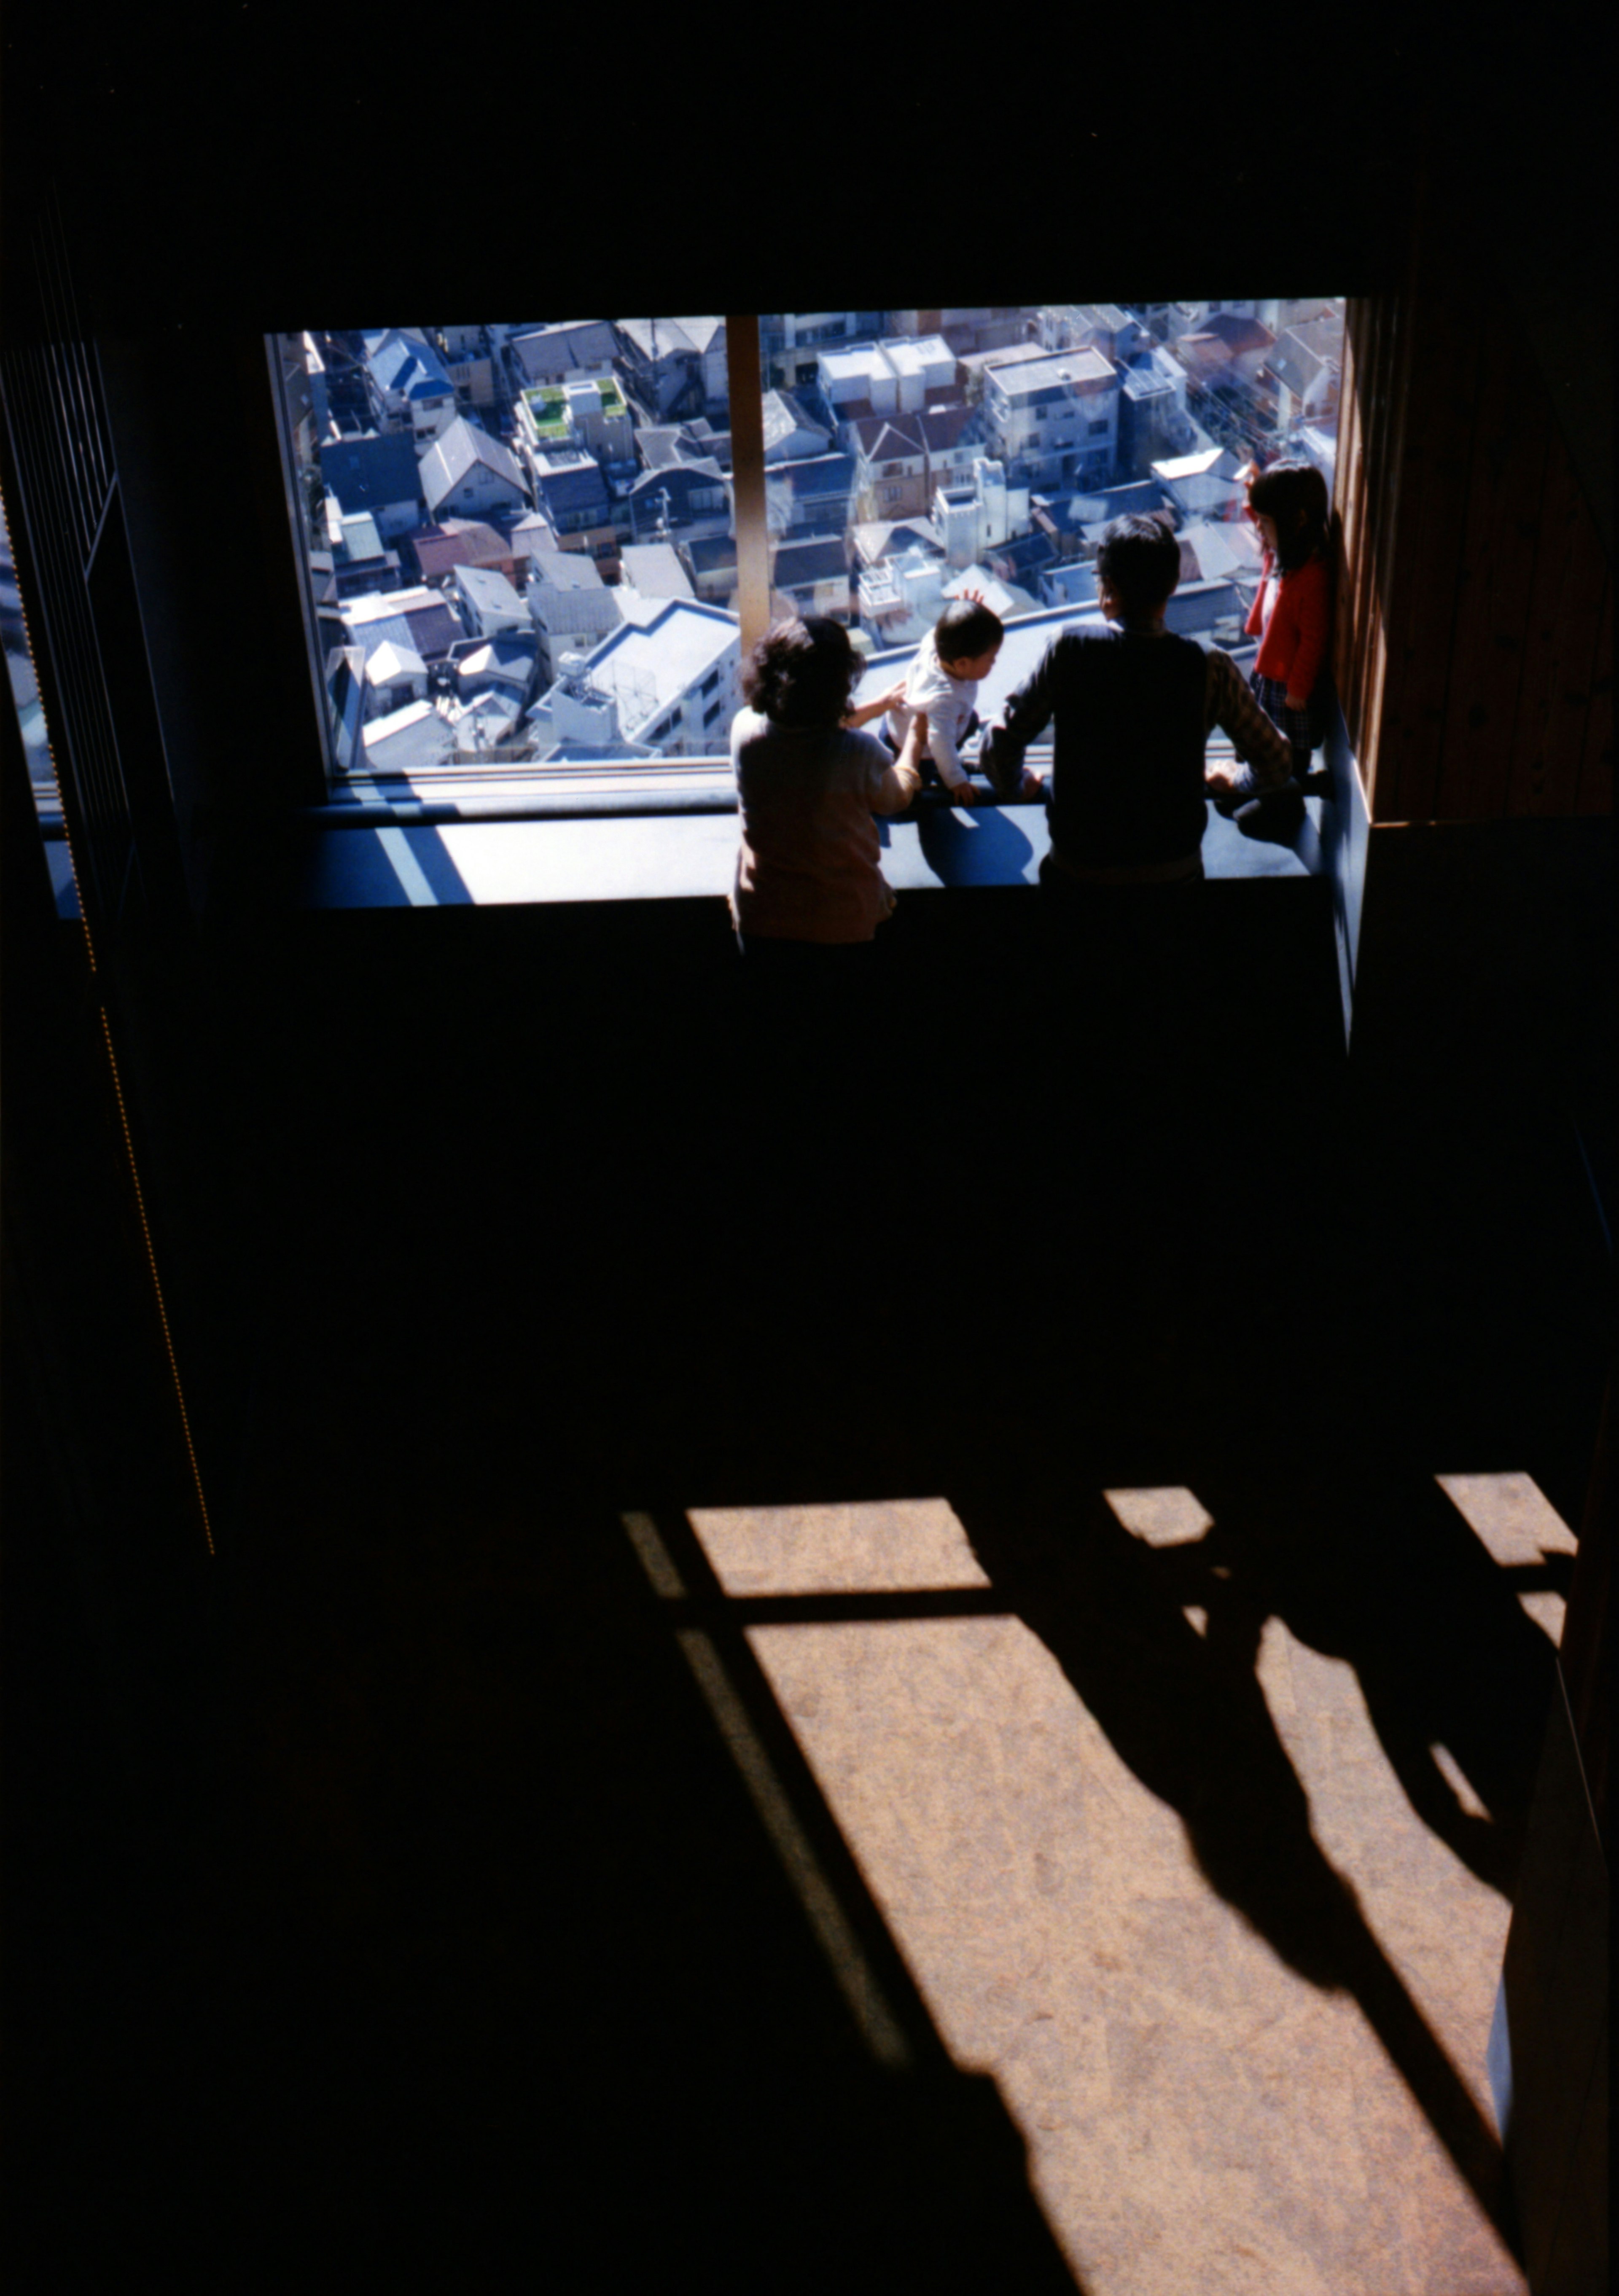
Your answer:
<point x="1596" y="791"/>
<point x="1494" y="579"/>
<point x="1371" y="423"/>
<point x="1560" y="649"/>
<point x="1427" y="492"/>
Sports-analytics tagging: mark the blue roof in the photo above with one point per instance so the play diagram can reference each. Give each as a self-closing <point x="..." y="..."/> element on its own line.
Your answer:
<point x="402" y="363"/>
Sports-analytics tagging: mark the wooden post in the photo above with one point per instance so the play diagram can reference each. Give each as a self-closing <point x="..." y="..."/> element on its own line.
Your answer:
<point x="748" y="479"/>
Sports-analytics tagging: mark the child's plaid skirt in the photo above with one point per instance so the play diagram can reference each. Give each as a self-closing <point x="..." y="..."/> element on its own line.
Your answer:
<point x="1293" y="725"/>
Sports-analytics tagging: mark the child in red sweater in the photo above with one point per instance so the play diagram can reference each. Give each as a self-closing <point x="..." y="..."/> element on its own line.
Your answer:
<point x="1292" y="615"/>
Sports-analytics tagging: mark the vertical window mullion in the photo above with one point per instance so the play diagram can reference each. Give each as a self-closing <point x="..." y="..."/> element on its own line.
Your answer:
<point x="748" y="481"/>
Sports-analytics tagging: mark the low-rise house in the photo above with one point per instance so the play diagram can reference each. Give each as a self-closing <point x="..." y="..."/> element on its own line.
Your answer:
<point x="1057" y="415"/>
<point x="570" y="488"/>
<point x="709" y="560"/>
<point x="508" y="666"/>
<point x="665" y="447"/>
<point x="376" y="472"/>
<point x="813" y="575"/>
<point x="890" y="467"/>
<point x="991" y="508"/>
<point x="1071" y="582"/>
<point x="900" y="465"/>
<point x="359" y="562"/>
<point x="395" y="675"/>
<point x="570" y="608"/>
<point x="1074" y="521"/>
<point x="418" y="620"/>
<point x="437" y="550"/>
<point x="1106" y="327"/>
<point x="1021" y="562"/>
<point x="1224" y="350"/>
<point x="1153" y="426"/>
<point x="968" y="332"/>
<point x="413" y="739"/>
<point x="590" y="415"/>
<point x="682" y="498"/>
<point x="406" y="383"/>
<point x="898" y="376"/>
<point x="575" y="351"/>
<point x="468" y="471"/>
<point x="531" y="532"/>
<point x="487" y="602"/>
<point x="477" y="383"/>
<point x="790" y="434"/>
<point x="653" y="569"/>
<point x="1227" y="550"/>
<point x="875" y="539"/>
<point x="487" y="723"/>
<point x="674" y="368"/>
<point x="790" y="343"/>
<point x="1204" y="485"/>
<point x="1304" y="370"/>
<point x="668" y="676"/>
<point x="814" y="496"/>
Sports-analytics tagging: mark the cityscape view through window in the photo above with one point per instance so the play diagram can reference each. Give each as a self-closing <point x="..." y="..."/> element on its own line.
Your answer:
<point x="520" y="542"/>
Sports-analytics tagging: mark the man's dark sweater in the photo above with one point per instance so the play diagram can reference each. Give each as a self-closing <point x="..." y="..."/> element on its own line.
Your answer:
<point x="1134" y="710"/>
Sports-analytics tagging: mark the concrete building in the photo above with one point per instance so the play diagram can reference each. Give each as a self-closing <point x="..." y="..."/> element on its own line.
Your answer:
<point x="1057" y="416"/>
<point x="667" y="678"/>
<point x="571" y="609"/>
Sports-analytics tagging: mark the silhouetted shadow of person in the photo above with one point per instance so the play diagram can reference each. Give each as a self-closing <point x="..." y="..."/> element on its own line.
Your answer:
<point x="1189" y="1718"/>
<point x="1376" y="1567"/>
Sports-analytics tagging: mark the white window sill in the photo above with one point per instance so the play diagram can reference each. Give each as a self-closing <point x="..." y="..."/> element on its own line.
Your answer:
<point x="693" y="856"/>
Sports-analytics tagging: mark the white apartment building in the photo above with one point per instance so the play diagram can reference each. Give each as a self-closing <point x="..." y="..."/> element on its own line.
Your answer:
<point x="1059" y="414"/>
<point x="892" y="377"/>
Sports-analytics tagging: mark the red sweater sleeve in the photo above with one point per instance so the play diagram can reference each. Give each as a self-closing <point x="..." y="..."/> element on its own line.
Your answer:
<point x="1312" y="602"/>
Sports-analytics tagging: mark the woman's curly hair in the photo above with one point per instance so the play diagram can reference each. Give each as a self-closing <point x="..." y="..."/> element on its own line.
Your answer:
<point x="803" y="673"/>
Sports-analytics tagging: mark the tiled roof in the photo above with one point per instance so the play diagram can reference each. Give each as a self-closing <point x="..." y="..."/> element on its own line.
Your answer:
<point x="566" y="570"/>
<point x="1234" y="333"/>
<point x="573" y="486"/>
<point x="654" y="570"/>
<point x="462" y="448"/>
<point x="361" y="540"/>
<point x="367" y="472"/>
<point x="504" y="659"/>
<point x="460" y="542"/>
<point x="943" y="427"/>
<point x="386" y="663"/>
<point x="564" y="348"/>
<point x="821" y="560"/>
<point x="785" y="418"/>
<point x="881" y="537"/>
<point x="673" y="335"/>
<point x="488" y="588"/>
<point x="882" y="442"/>
<point x="404" y="740"/>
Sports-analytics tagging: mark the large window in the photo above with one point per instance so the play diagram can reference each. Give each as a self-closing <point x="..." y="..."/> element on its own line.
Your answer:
<point x="520" y="542"/>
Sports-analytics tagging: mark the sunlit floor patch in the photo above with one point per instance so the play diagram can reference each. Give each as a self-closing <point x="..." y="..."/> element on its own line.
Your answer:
<point x="1517" y="1523"/>
<point x="1198" y="2116"/>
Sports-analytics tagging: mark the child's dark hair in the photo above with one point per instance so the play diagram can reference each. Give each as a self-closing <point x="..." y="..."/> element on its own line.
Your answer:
<point x="966" y="629"/>
<point x="1139" y="558"/>
<point x="802" y="673"/>
<point x="1294" y="495"/>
